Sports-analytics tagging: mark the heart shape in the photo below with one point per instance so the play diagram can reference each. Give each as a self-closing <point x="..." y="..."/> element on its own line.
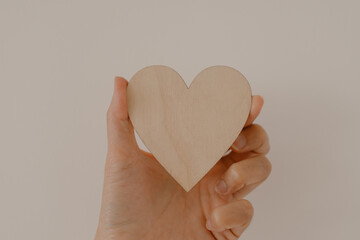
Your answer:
<point x="188" y="129"/>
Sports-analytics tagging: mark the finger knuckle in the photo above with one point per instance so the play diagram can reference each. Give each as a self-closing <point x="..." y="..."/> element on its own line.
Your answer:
<point x="261" y="138"/>
<point x="234" y="173"/>
<point x="257" y="127"/>
<point x="266" y="167"/>
<point x="267" y="147"/>
<point x="260" y="131"/>
<point x="216" y="218"/>
<point x="248" y="210"/>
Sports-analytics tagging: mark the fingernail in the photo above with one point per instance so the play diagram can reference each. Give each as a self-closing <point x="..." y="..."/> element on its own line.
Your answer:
<point x="221" y="187"/>
<point x="240" y="142"/>
<point x="208" y="225"/>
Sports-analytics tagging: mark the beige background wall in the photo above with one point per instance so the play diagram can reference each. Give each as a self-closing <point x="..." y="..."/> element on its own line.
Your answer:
<point x="57" y="63"/>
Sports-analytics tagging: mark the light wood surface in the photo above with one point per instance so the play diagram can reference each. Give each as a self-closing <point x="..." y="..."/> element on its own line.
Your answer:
<point x="188" y="129"/>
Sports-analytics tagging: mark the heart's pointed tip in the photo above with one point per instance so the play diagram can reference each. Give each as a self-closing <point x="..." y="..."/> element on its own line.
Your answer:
<point x="187" y="186"/>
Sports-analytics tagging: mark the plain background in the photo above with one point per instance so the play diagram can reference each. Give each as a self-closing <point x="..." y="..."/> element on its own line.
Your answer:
<point x="57" y="64"/>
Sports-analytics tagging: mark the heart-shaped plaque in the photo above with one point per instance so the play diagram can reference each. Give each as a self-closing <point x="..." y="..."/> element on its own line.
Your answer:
<point x="188" y="129"/>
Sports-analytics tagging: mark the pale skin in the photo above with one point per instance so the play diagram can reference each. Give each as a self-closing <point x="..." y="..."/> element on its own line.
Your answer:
<point x="140" y="200"/>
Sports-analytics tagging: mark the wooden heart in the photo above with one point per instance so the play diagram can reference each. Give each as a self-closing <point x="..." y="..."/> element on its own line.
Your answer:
<point x="188" y="129"/>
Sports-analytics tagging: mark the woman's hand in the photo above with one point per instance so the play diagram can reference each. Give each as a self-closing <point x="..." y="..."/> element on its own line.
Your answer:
<point x="142" y="201"/>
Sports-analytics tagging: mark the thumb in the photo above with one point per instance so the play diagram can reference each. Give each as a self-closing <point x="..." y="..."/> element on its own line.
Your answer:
<point x="120" y="131"/>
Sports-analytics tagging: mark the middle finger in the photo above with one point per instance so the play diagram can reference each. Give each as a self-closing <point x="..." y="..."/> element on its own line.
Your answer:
<point x="244" y="173"/>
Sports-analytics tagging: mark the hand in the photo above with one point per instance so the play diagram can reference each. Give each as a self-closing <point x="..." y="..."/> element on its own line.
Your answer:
<point x="141" y="200"/>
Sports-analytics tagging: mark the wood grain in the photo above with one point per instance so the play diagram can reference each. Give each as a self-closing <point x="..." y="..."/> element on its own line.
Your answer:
<point x="188" y="129"/>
